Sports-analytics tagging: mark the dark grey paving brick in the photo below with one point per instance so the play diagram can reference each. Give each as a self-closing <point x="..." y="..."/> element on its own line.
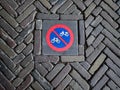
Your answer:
<point x="29" y="88"/>
<point x="7" y="61"/>
<point x="19" y="2"/>
<point x="0" y="7"/>
<point x="24" y="33"/>
<point x="71" y="17"/>
<point x="10" y="52"/>
<point x="80" y="80"/>
<point x="65" y="6"/>
<point x="88" y="31"/>
<point x="26" y="4"/>
<point x="8" y="18"/>
<point x="112" y="4"/>
<point x="98" y="40"/>
<point x="48" y="65"/>
<point x="85" y="64"/>
<point x="17" y="69"/>
<point x="89" y="20"/>
<point x="81" y="32"/>
<point x="29" y="38"/>
<point x="101" y="83"/>
<point x="72" y="58"/>
<point x="97" y="21"/>
<point x="53" y="1"/>
<point x="1" y="87"/>
<point x="41" y="69"/>
<point x="7" y="38"/>
<point x="42" y="58"/>
<point x="38" y="24"/>
<point x="80" y="4"/>
<point x="37" y="86"/>
<point x="55" y="71"/>
<point x="97" y="1"/>
<point x="114" y="58"/>
<point x="111" y="37"/>
<point x="88" y="2"/>
<point x="76" y="12"/>
<point x="96" y="11"/>
<point x="5" y="26"/>
<point x="26" y="70"/>
<point x="28" y="49"/>
<point x="61" y="75"/>
<point x="47" y="16"/>
<point x="71" y="9"/>
<point x="114" y="77"/>
<point x="24" y="15"/>
<point x="46" y="3"/>
<point x="81" y="70"/>
<point x="114" y="67"/>
<point x="109" y="10"/>
<point x="18" y="29"/>
<point x="20" y="48"/>
<point x="3" y="68"/>
<point x="40" y="7"/>
<point x="43" y="82"/>
<point x="6" y="83"/>
<point x="98" y="62"/>
<point x="13" y="4"/>
<point x="109" y="19"/>
<point x="106" y="88"/>
<point x="8" y="8"/>
<point x="37" y="43"/>
<point x="90" y="39"/>
<point x="81" y="49"/>
<point x="112" y="46"/>
<point x="74" y="85"/>
<point x="57" y="5"/>
<point x="89" y="50"/>
<point x="98" y="75"/>
<point x="97" y="30"/>
<point x="90" y="9"/>
<point x="17" y="82"/>
<point x="112" y="85"/>
<point x="28" y="20"/>
<point x="26" y="83"/>
<point x="18" y="58"/>
<point x="64" y="83"/>
<point x="118" y="20"/>
<point x="118" y="11"/>
<point x="96" y="52"/>
<point x="118" y="2"/>
<point x="26" y="60"/>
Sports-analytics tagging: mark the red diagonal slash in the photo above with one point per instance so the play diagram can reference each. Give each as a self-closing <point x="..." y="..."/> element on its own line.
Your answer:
<point x="60" y="37"/>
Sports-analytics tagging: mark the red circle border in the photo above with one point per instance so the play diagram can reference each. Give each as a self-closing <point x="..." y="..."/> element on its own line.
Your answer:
<point x="51" y="29"/>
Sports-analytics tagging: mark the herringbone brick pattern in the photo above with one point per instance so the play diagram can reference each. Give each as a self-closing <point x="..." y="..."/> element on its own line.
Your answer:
<point x="22" y="65"/>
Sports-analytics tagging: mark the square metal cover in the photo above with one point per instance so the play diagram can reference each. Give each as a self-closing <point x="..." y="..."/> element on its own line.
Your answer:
<point x="59" y="37"/>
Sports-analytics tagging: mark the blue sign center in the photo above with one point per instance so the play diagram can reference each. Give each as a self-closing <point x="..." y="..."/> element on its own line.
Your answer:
<point x="60" y="37"/>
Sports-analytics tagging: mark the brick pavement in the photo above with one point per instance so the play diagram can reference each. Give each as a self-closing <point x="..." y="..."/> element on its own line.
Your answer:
<point x="22" y="63"/>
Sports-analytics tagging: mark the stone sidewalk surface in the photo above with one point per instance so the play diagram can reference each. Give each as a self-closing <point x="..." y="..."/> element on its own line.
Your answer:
<point x="22" y="63"/>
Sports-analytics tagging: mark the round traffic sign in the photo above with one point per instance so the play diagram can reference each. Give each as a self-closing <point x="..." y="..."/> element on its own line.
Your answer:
<point x="59" y="37"/>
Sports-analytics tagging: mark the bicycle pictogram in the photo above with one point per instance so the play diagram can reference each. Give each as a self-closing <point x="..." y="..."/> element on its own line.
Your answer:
<point x="55" y="40"/>
<point x="64" y="34"/>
